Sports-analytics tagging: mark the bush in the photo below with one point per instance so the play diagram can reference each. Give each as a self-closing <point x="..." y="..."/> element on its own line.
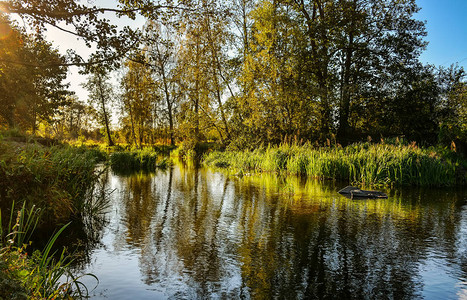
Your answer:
<point x="54" y="178"/>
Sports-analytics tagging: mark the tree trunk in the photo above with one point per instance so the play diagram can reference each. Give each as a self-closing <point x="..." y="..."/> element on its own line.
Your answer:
<point x="343" y="130"/>
<point x="167" y="100"/>
<point x="106" y="118"/>
<point x="345" y="94"/>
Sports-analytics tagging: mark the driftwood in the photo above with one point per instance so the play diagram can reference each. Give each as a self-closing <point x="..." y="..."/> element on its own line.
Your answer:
<point x="352" y="192"/>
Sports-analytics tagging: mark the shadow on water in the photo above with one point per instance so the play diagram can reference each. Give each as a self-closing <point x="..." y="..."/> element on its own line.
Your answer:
<point x="190" y="233"/>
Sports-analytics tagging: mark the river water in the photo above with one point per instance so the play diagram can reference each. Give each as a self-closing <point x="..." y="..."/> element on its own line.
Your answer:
<point x="186" y="233"/>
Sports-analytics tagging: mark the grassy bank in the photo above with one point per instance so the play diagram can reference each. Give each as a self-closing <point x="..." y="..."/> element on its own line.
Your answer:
<point x="54" y="183"/>
<point x="54" y="178"/>
<point x="147" y="159"/>
<point x="34" y="275"/>
<point x="363" y="163"/>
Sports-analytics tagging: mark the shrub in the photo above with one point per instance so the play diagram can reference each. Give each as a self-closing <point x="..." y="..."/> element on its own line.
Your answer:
<point x="54" y="178"/>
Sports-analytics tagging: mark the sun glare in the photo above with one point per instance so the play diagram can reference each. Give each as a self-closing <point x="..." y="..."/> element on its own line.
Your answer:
<point x="3" y="8"/>
<point x="5" y="30"/>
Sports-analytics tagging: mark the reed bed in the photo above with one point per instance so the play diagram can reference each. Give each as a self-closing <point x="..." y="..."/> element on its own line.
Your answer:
<point x="147" y="159"/>
<point x="56" y="178"/>
<point x="363" y="163"/>
<point x="38" y="275"/>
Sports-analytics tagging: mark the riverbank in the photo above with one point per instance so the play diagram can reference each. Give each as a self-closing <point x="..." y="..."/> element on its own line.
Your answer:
<point x="54" y="178"/>
<point x="53" y="183"/>
<point x="366" y="164"/>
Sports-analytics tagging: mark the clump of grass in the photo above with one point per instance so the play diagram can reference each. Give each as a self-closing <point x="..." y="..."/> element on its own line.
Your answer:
<point x="363" y="163"/>
<point x="42" y="275"/>
<point x="12" y="132"/>
<point x="147" y="159"/>
<point x="53" y="178"/>
<point x="194" y="151"/>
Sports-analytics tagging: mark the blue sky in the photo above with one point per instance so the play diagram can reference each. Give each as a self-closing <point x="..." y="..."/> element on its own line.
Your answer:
<point x="446" y="24"/>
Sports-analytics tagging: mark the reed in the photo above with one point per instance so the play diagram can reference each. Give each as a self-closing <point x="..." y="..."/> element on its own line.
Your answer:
<point x="363" y="163"/>
<point x="147" y="159"/>
<point x="55" y="178"/>
<point x="42" y="275"/>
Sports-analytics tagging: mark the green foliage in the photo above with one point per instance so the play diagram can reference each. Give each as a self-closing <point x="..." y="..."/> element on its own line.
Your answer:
<point x="13" y="132"/>
<point x="306" y="69"/>
<point x="191" y="150"/>
<point x="28" y="94"/>
<point x="56" y="179"/>
<point x="147" y="159"/>
<point x="41" y="275"/>
<point x="364" y="163"/>
<point x="101" y="96"/>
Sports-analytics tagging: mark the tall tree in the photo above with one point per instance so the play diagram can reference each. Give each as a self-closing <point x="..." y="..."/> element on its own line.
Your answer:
<point x="277" y="98"/>
<point x="379" y="43"/>
<point x="101" y="96"/>
<point x="138" y="101"/>
<point x="161" y="55"/>
<point x="28" y="94"/>
<point x="312" y="64"/>
<point x="204" y="34"/>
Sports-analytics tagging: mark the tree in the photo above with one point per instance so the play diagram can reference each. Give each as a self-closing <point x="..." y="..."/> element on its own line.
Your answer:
<point x="72" y="118"/>
<point x="28" y="94"/>
<point x="452" y="109"/>
<point x="138" y="101"/>
<point x="312" y="65"/>
<point x="101" y="97"/>
<point x="89" y="23"/>
<point x="376" y="51"/>
<point x="204" y="33"/>
<point x="277" y="98"/>
<point x="161" y="54"/>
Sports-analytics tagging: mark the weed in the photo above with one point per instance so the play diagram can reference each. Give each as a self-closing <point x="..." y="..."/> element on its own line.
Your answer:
<point x="363" y="163"/>
<point x="41" y="275"/>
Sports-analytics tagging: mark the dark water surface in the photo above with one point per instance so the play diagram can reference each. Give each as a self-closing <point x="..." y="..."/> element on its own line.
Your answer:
<point x="196" y="234"/>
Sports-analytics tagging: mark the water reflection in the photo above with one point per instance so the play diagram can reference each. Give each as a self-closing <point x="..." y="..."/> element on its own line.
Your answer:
<point x="189" y="233"/>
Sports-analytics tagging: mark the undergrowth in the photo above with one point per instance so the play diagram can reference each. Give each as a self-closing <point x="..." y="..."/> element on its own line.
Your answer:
<point x="362" y="163"/>
<point x="55" y="178"/>
<point x="147" y="159"/>
<point x="38" y="275"/>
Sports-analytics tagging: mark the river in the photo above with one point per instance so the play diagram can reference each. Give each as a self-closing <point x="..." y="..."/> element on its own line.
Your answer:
<point x="187" y="233"/>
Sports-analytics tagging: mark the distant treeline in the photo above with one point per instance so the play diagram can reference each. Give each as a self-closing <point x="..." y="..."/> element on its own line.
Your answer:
<point x="241" y="72"/>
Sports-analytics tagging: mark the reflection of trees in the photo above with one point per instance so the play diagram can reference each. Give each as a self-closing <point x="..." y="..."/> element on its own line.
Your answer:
<point x="184" y="243"/>
<point x="203" y="235"/>
<point x="344" y="249"/>
<point x="197" y="225"/>
<point x="153" y="255"/>
<point x="139" y="202"/>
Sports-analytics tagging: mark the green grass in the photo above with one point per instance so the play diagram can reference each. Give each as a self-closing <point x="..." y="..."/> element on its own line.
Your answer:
<point x="56" y="178"/>
<point x="58" y="182"/>
<point x="147" y="159"/>
<point x="40" y="275"/>
<point x="190" y="150"/>
<point x="363" y="163"/>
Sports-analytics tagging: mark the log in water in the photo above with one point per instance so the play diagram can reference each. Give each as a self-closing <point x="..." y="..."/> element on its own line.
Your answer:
<point x="352" y="192"/>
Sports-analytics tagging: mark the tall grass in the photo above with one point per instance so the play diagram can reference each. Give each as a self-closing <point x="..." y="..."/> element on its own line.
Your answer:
<point x="147" y="159"/>
<point x="55" y="178"/>
<point x="190" y="150"/>
<point x="363" y="163"/>
<point x="42" y="275"/>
